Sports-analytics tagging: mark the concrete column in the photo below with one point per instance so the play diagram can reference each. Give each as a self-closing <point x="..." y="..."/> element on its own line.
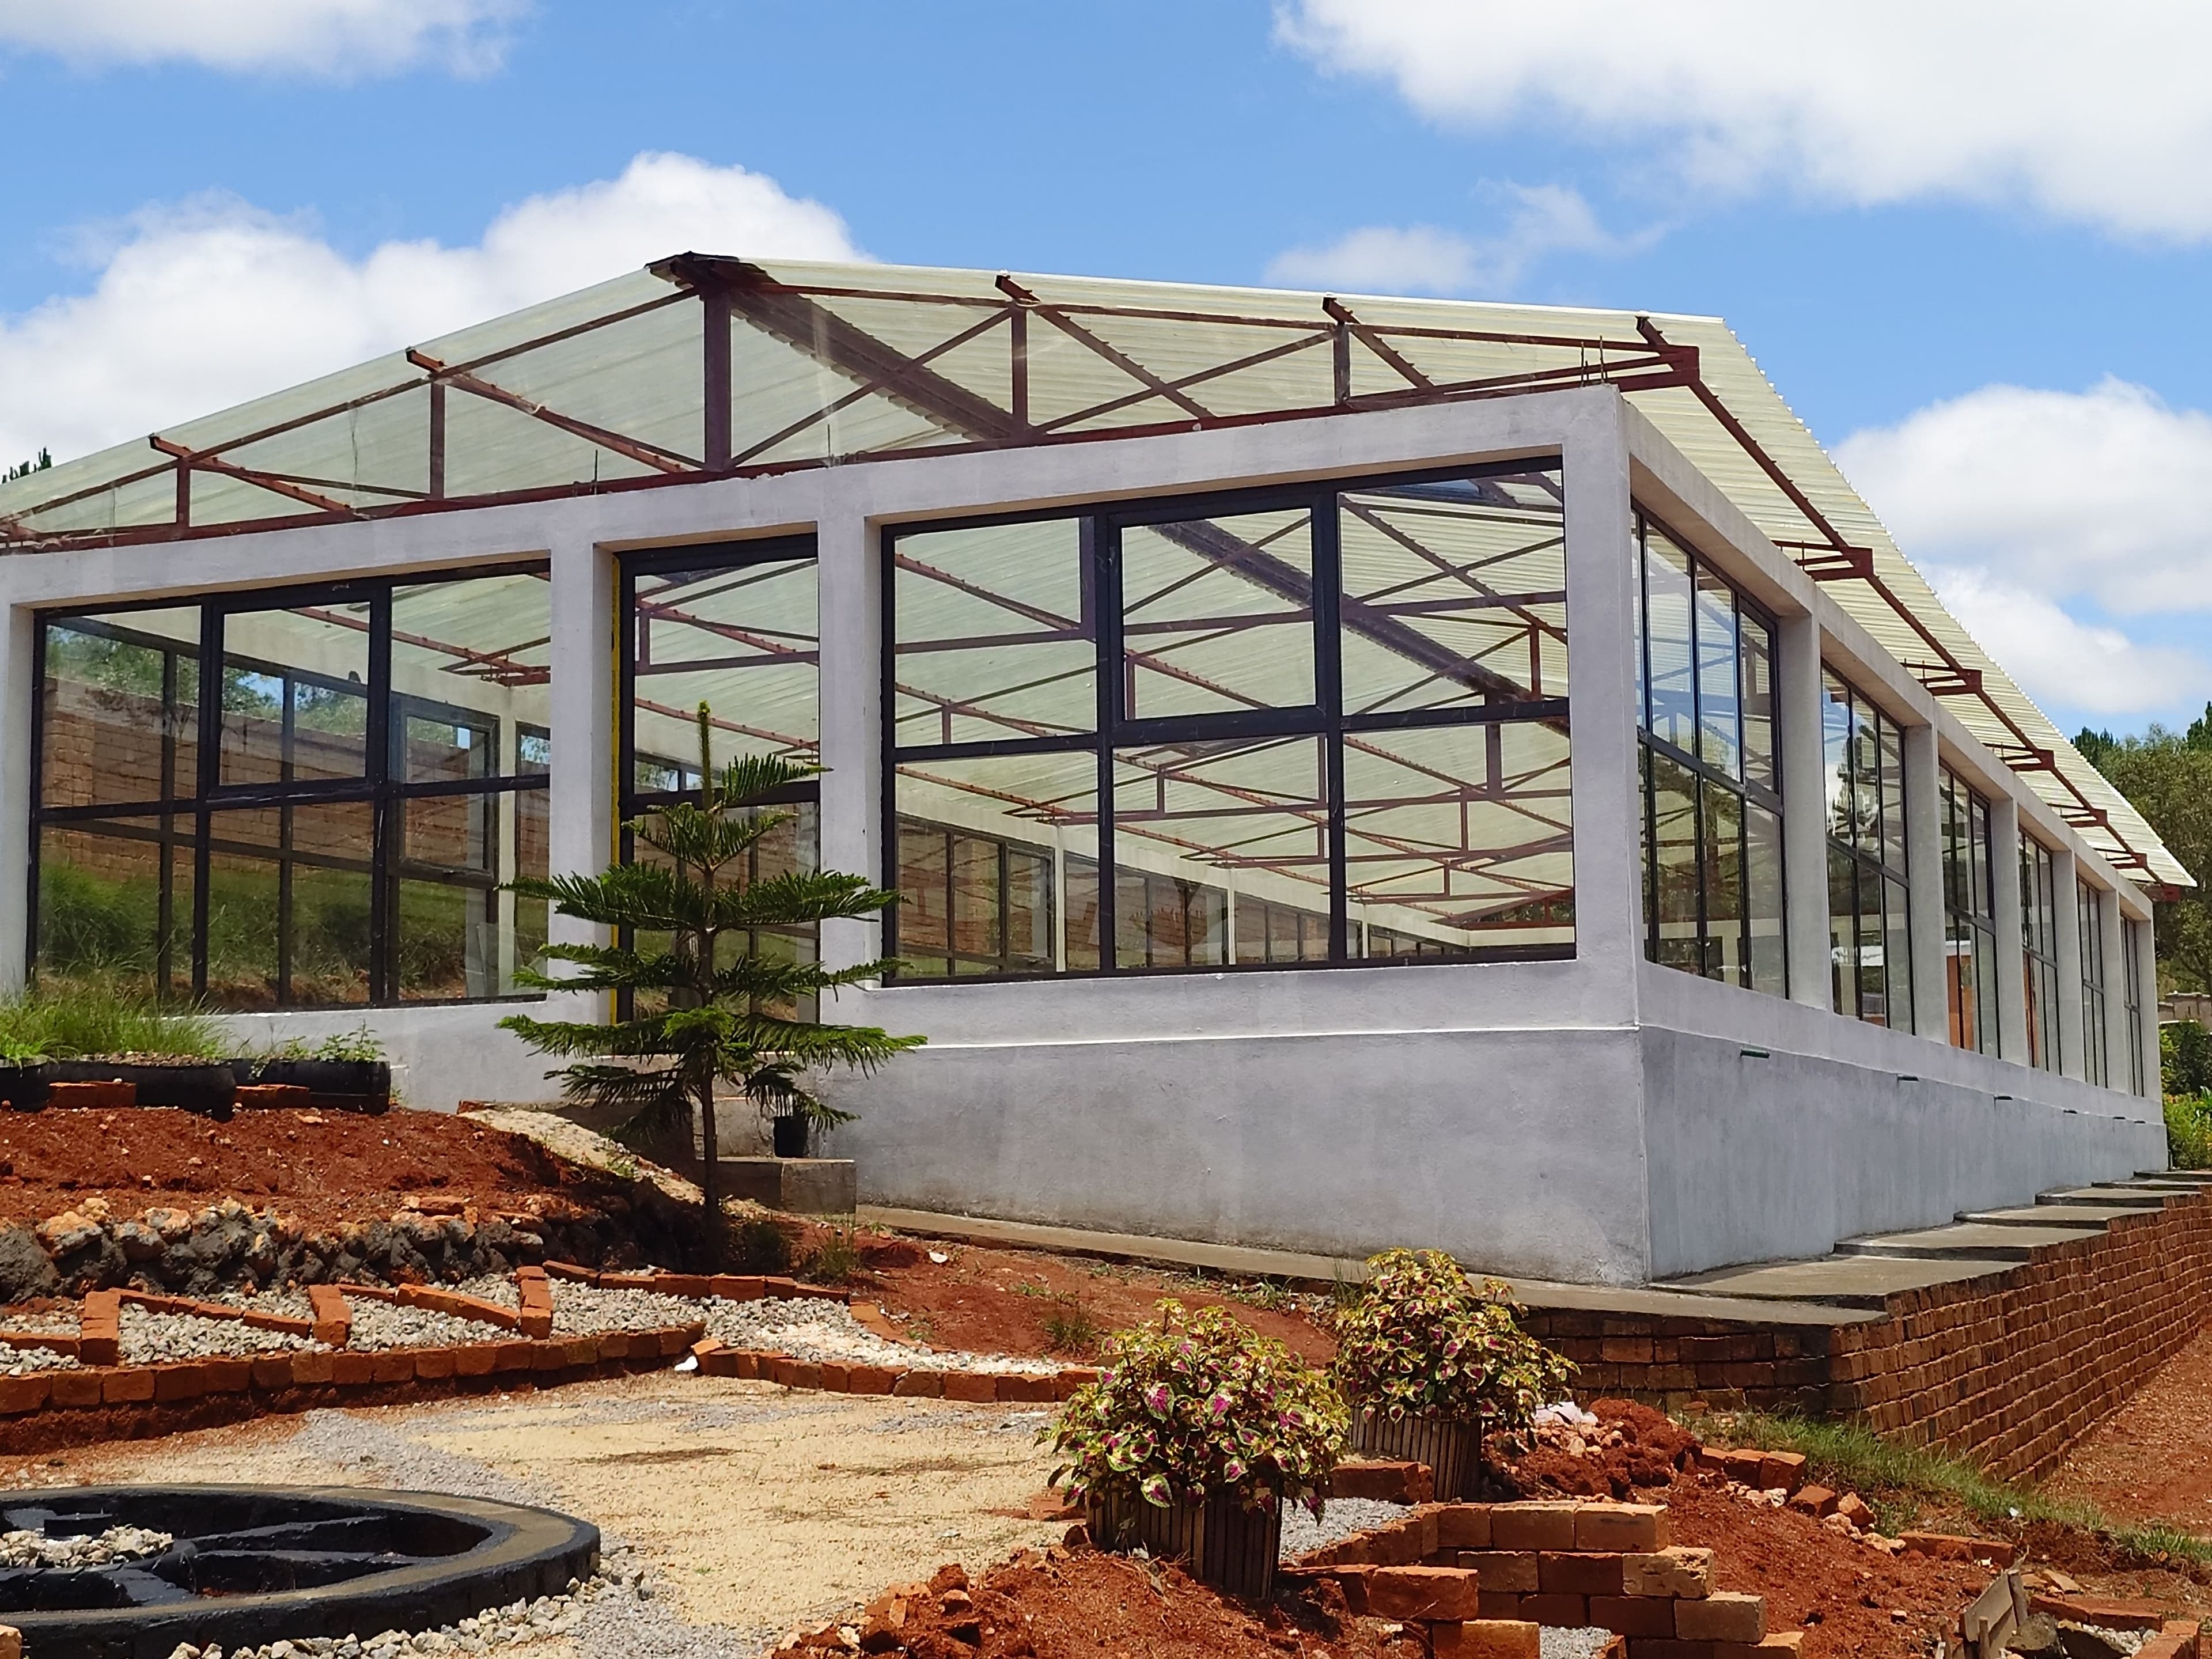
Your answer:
<point x="2072" y="1051"/>
<point x="1804" y="810"/>
<point x="1923" y="871"/>
<point x="1601" y="703"/>
<point x="2147" y="971"/>
<point x="2004" y="884"/>
<point x="2118" y="1037"/>
<point x="19" y="696"/>
<point x="849" y="578"/>
<point x="581" y="836"/>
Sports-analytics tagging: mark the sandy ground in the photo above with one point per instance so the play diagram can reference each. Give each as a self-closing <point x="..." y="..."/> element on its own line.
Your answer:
<point x="2151" y="1460"/>
<point x="758" y="1509"/>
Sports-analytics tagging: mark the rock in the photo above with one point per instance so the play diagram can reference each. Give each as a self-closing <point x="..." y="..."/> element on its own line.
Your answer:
<point x="140" y="1242"/>
<point x="67" y="1233"/>
<point x="26" y="1270"/>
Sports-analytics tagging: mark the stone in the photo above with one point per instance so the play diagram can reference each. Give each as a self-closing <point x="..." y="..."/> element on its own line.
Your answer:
<point x="1723" y="1616"/>
<point x="1681" y="1572"/>
<point x="1814" y="1500"/>
<point x="26" y="1270"/>
<point x="1622" y="1527"/>
<point x="1412" y="1594"/>
<point x="1855" y="1509"/>
<point x="1487" y="1638"/>
<point x="1538" y="1526"/>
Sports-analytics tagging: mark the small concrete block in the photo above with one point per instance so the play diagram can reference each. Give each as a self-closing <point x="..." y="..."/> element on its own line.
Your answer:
<point x="1723" y="1616"/>
<point x="1487" y="1638"/>
<point x="392" y="1365"/>
<point x="1384" y="1481"/>
<point x="435" y="1364"/>
<point x="1578" y="1575"/>
<point x="796" y="1186"/>
<point x="1634" y="1615"/>
<point x="1783" y="1469"/>
<point x="1560" y="1612"/>
<point x="1814" y="1500"/>
<point x="126" y="1385"/>
<point x="1516" y="1571"/>
<point x="1622" y="1528"/>
<point x="1532" y="1526"/>
<point x="920" y="1385"/>
<point x="1679" y="1571"/>
<point x="314" y="1369"/>
<point x="1783" y="1644"/>
<point x="76" y="1387"/>
<point x="977" y="1387"/>
<point x="1397" y="1544"/>
<point x="1745" y="1464"/>
<point x="1463" y="1526"/>
<point x="1423" y="1595"/>
<point x="19" y="1395"/>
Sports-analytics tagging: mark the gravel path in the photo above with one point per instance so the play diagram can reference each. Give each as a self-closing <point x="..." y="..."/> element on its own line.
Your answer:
<point x="388" y="1325"/>
<point x="815" y="1330"/>
<point x="150" y="1338"/>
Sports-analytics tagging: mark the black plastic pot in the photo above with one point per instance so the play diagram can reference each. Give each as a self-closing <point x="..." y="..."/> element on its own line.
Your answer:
<point x="1220" y="1541"/>
<point x="1451" y="1446"/>
<point x="334" y="1085"/>
<point x="791" y="1136"/>
<point x="208" y="1087"/>
<point x="22" y="1086"/>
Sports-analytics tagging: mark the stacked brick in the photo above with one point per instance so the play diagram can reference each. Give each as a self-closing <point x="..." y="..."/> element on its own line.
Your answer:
<point x="1499" y="1572"/>
<point x="2009" y="1369"/>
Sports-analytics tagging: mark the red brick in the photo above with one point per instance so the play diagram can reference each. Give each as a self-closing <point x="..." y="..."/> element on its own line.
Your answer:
<point x="1500" y="1604"/>
<point x="1634" y="1615"/>
<point x="1025" y="1390"/>
<point x="1578" y="1575"/>
<point x="975" y="1387"/>
<point x="920" y="1385"/>
<point x="76" y="1387"/>
<point x="475" y="1358"/>
<point x="871" y="1379"/>
<point x="1561" y="1611"/>
<point x="1945" y="1547"/>
<point x="19" y="1395"/>
<point x="353" y="1370"/>
<point x="1532" y="1526"/>
<point x="736" y="1287"/>
<point x="1384" y="1481"/>
<point x="1639" y="1529"/>
<point x="1723" y="1616"/>
<point x="1463" y="1526"/>
<point x="1518" y="1572"/>
<point x="184" y="1382"/>
<point x="1487" y="1638"/>
<point x="433" y="1364"/>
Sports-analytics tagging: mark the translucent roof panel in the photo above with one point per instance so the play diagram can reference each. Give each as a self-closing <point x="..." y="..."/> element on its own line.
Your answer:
<point x="707" y="366"/>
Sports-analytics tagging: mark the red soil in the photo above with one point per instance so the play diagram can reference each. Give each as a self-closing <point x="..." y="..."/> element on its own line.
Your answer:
<point x="2152" y="1460"/>
<point x="343" y="1167"/>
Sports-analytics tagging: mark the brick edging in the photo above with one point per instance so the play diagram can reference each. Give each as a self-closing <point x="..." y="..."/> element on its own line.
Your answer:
<point x="717" y="1359"/>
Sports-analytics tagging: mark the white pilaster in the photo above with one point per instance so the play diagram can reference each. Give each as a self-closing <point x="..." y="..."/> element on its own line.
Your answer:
<point x="2004" y="892"/>
<point x="1923" y="857"/>
<point x="19" y="696"/>
<point x="580" y="839"/>
<point x="2145" y="952"/>
<point x="850" y="595"/>
<point x="1804" y="810"/>
<point x="2112" y="934"/>
<point x="2066" y="899"/>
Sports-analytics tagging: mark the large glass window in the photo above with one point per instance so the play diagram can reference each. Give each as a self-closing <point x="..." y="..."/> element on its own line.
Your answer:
<point x="2132" y="989"/>
<point x="2038" y="940"/>
<point x="1312" y="725"/>
<point x="1970" y="927"/>
<point x="734" y="628"/>
<point x="1711" y="775"/>
<point x="308" y="799"/>
<point x="1869" y="931"/>
<point x="2089" y="906"/>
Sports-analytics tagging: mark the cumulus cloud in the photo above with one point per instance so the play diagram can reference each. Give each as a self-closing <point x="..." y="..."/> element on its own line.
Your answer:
<point x="346" y="38"/>
<point x="1539" y="220"/>
<point x="2100" y="492"/>
<point x="2063" y="662"/>
<point x="201" y="304"/>
<point x="1878" y="101"/>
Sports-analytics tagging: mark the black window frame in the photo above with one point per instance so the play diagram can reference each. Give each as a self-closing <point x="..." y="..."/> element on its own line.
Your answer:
<point x="1863" y="855"/>
<point x="1970" y="909"/>
<point x="2132" y="993"/>
<point x="1100" y="525"/>
<point x="382" y="785"/>
<point x="1769" y="798"/>
<point x="2089" y="902"/>
<point x="2039" y="980"/>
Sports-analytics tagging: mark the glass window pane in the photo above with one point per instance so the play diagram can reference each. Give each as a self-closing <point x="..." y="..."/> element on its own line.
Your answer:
<point x="1843" y="932"/>
<point x="1194" y="821"/>
<point x="1893" y="804"/>
<point x="458" y="935"/>
<point x="1217" y="614"/>
<point x="1667" y="610"/>
<point x="979" y="841"/>
<point x="1675" y="875"/>
<point x="1454" y="592"/>
<point x="288" y="899"/>
<point x="1763" y="893"/>
<point x="994" y="634"/>
<point x="119" y="716"/>
<point x="1874" y="976"/>
<point x="1761" y="762"/>
<point x="1721" y="837"/>
<point x="1719" y="734"/>
<point x="1836" y="754"/>
<point x="115" y="905"/>
<point x="1460" y="837"/>
<point x="295" y="694"/>
<point x="1897" y="955"/>
<point x="471" y="676"/>
<point x="740" y="639"/>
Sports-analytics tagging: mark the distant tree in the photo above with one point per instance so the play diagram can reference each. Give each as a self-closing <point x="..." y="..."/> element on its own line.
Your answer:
<point x="2168" y="777"/>
<point x="24" y="469"/>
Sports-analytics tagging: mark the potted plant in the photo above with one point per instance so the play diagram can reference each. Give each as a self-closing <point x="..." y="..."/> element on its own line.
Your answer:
<point x="1193" y="1439"/>
<point x="343" y="1073"/>
<point x="1430" y="1362"/>
<point x="704" y="1010"/>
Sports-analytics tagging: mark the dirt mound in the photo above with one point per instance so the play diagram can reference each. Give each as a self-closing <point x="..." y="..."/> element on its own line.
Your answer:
<point x="1082" y="1605"/>
<point x="1630" y="1446"/>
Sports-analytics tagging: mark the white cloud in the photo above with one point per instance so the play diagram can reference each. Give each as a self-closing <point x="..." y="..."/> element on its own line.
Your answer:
<point x="2101" y="492"/>
<point x="1539" y="220"/>
<point x="2098" y="119"/>
<point x="203" y="305"/>
<point x="343" y="38"/>
<point x="2062" y="662"/>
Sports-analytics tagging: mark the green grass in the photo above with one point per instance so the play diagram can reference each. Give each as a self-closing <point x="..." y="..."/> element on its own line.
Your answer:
<point x="62" y="1019"/>
<point x="836" y="1260"/>
<point x="1069" y="1329"/>
<point x="1898" y="1479"/>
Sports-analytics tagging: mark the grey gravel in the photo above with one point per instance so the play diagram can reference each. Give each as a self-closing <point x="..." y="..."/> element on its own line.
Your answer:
<point x="811" y="1329"/>
<point x="388" y="1325"/>
<point x="286" y="1304"/>
<point x="35" y="1549"/>
<point x="1584" y="1643"/>
<point x="22" y="1362"/>
<point x="55" y="1321"/>
<point x="149" y="1338"/>
<point x="585" y="1309"/>
<point x="1341" y="1518"/>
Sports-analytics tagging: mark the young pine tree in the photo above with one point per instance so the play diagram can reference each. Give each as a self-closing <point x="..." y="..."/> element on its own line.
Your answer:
<point x="703" y="1002"/>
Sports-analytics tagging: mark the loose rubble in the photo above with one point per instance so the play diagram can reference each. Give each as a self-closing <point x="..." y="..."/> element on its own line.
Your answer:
<point x="35" y="1549"/>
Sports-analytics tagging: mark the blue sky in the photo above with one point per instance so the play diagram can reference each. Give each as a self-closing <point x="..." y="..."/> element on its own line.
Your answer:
<point x="1899" y="227"/>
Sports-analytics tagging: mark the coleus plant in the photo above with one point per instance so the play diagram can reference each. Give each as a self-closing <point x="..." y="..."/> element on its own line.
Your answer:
<point x="1423" y="1339"/>
<point x="1200" y="1406"/>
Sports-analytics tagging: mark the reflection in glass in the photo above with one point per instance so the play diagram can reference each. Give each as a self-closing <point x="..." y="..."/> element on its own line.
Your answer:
<point x="115" y="904"/>
<point x="294" y="694"/>
<point x="1217" y="614"/>
<point x="742" y="639"/>
<point x="119" y="717"/>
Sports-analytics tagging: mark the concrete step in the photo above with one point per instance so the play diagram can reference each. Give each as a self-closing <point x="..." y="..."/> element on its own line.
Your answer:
<point x="1858" y="1283"/>
<point x="2083" y="1218"/>
<point x="2130" y="1197"/>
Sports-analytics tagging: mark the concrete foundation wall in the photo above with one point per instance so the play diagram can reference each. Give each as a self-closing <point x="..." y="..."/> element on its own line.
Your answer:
<point x="440" y="1056"/>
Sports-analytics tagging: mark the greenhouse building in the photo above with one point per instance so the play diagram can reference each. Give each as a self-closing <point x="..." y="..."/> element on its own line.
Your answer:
<point x="1358" y="771"/>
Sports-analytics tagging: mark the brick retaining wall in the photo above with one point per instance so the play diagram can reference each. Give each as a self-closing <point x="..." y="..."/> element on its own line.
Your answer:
<point x="2009" y="1369"/>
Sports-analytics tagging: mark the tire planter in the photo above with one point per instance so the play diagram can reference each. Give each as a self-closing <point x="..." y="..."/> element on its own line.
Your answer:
<point x="1219" y="1542"/>
<point x="333" y="1085"/>
<point x="22" y="1087"/>
<point x="791" y="1137"/>
<point x="208" y="1087"/>
<point x="1451" y="1446"/>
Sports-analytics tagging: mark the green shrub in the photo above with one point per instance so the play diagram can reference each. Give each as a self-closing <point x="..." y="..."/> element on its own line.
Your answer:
<point x="1423" y="1337"/>
<point x="760" y="1246"/>
<point x="1203" y="1405"/>
<point x="2189" y="1131"/>
<point x="837" y="1258"/>
<point x="2184" y="1054"/>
